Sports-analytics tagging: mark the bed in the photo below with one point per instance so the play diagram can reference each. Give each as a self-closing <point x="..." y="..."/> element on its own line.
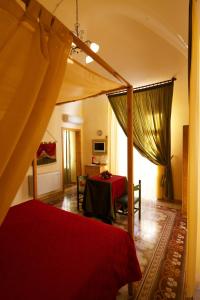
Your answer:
<point x="50" y="254"/>
<point x="46" y="253"/>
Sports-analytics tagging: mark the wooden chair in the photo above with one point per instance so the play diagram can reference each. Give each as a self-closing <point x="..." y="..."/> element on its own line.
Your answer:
<point x="121" y="204"/>
<point x="81" y="184"/>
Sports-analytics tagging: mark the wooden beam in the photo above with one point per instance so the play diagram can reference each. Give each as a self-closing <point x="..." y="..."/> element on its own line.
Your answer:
<point x="185" y="170"/>
<point x="92" y="96"/>
<point x="130" y="170"/>
<point x="98" y="59"/>
<point x="35" y="186"/>
<point x="130" y="160"/>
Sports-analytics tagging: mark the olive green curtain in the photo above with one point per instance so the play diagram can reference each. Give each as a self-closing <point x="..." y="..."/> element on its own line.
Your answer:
<point x="151" y="125"/>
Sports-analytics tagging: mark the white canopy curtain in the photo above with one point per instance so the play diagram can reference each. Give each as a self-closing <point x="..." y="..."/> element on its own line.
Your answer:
<point x="34" y="47"/>
<point x="80" y="82"/>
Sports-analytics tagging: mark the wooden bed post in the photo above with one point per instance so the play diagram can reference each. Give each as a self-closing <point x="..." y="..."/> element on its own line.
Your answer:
<point x="130" y="170"/>
<point x="130" y="161"/>
<point x="34" y="165"/>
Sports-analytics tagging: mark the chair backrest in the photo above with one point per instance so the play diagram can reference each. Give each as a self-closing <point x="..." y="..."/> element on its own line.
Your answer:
<point x="81" y="183"/>
<point x="137" y="187"/>
<point x="121" y="204"/>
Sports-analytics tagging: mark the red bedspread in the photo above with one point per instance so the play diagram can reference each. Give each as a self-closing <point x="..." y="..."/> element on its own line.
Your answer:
<point x="50" y="254"/>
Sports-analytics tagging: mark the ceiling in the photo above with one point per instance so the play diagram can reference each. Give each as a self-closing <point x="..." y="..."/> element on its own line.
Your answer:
<point x="144" y="40"/>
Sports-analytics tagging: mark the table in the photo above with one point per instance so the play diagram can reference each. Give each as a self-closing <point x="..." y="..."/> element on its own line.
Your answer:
<point x="93" y="169"/>
<point x="100" y="196"/>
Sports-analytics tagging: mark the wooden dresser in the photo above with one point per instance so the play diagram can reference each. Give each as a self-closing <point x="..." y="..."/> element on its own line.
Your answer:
<point x="93" y="169"/>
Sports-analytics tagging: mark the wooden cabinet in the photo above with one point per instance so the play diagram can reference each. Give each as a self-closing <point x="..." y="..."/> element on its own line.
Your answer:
<point x="92" y="169"/>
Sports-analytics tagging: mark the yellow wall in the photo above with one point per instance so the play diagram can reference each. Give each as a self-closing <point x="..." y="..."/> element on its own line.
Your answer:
<point x="95" y="114"/>
<point x="193" y="242"/>
<point x="73" y="155"/>
<point x="179" y="117"/>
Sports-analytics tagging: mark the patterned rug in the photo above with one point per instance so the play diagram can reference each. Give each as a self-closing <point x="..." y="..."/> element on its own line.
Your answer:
<point x="170" y="284"/>
<point x="160" y="239"/>
<point x="160" y="243"/>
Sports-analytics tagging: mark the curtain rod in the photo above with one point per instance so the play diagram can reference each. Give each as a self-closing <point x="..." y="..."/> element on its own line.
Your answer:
<point x="144" y="87"/>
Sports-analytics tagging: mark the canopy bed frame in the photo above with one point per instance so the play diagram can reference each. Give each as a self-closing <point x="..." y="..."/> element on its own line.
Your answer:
<point x="6" y="167"/>
<point x="126" y="86"/>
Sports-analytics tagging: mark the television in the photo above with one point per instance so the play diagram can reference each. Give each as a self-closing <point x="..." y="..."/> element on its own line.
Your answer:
<point x="99" y="147"/>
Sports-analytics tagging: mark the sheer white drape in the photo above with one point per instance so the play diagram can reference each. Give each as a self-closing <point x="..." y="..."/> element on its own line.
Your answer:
<point x="81" y="82"/>
<point x="33" y="51"/>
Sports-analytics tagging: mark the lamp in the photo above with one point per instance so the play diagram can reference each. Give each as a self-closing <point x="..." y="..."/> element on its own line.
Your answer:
<point x="79" y="33"/>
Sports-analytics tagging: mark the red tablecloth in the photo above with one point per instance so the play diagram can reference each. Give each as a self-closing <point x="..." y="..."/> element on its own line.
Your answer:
<point x="118" y="184"/>
<point x="100" y="195"/>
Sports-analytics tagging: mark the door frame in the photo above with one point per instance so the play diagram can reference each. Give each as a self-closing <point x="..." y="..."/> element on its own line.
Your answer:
<point x="78" y="152"/>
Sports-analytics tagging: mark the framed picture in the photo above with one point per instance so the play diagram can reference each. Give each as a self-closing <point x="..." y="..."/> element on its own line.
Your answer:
<point x="46" y="153"/>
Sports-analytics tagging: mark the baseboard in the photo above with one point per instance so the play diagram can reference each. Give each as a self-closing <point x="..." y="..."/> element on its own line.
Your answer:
<point x="175" y="201"/>
<point x="49" y="196"/>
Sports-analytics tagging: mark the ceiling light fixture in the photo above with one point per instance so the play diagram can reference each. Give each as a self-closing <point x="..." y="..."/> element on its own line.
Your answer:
<point x="80" y="34"/>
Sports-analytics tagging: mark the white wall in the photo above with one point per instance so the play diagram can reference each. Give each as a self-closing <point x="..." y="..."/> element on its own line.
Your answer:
<point x="53" y="133"/>
<point x="22" y="194"/>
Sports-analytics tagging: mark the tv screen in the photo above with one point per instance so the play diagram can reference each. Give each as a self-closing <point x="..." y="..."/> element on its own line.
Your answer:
<point x="99" y="146"/>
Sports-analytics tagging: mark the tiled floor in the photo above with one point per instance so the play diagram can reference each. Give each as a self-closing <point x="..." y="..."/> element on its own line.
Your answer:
<point x="68" y="202"/>
<point x="157" y="220"/>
